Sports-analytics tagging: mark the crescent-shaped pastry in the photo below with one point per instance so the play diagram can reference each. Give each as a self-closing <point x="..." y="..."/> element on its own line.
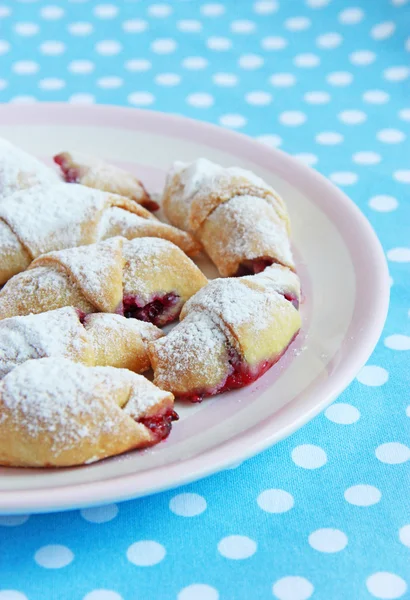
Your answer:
<point x="146" y="278"/>
<point x="231" y="332"/>
<point x="241" y="221"/>
<point x="96" y="173"/>
<point x="94" y="340"/>
<point x="58" y="413"/>
<point x="43" y="219"/>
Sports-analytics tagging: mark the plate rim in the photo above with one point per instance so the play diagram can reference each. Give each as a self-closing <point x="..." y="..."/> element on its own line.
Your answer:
<point x="257" y="438"/>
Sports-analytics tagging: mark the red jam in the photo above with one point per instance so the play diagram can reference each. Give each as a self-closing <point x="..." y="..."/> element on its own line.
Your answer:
<point x="71" y="174"/>
<point x="253" y="267"/>
<point x="160" y="425"/>
<point x="159" y="311"/>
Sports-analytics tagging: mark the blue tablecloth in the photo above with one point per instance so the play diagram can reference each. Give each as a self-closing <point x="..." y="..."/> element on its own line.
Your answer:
<point x="326" y="513"/>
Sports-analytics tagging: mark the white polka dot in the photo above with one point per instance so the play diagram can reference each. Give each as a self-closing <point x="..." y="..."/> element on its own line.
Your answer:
<point x="80" y="28"/>
<point x="344" y="177"/>
<point x="25" y="67"/>
<point x="243" y="26"/>
<point x="198" y="591"/>
<point x="340" y="78"/>
<point x="167" y="79"/>
<point x="404" y="535"/>
<point x="282" y="79"/>
<point x="189" y="26"/>
<point x="404" y="114"/>
<point x="351" y="16"/>
<point x="218" y="43"/>
<point x="390" y="136"/>
<point x="271" y="140"/>
<point x="382" y="31"/>
<point x="108" y="47"/>
<point x="317" y="97"/>
<point x="53" y="556"/>
<point x="146" y="553"/>
<point x="159" y="10"/>
<point x="100" y="514"/>
<point x="407" y="44"/>
<point x="51" y="84"/>
<point x="293" y="587"/>
<point x="81" y="66"/>
<point x="265" y="7"/>
<point x="212" y="10"/>
<point x="399" y="2"/>
<point x="106" y="11"/>
<point x="102" y="595"/>
<point x="275" y="501"/>
<point x="233" y="120"/>
<point x="372" y="375"/>
<point x="307" y="158"/>
<point x="3" y="84"/>
<point x="258" y="98"/>
<point x="398" y="341"/>
<point x="250" y="61"/>
<point x="26" y="29"/>
<point x="4" y="12"/>
<point x="23" y="100"/>
<point x="12" y="595"/>
<point x="274" y="43"/>
<point x="82" y="98"/>
<point x="329" y="41"/>
<point x="52" y="48"/>
<point x="398" y="255"/>
<point x="237" y="547"/>
<point x="134" y="26"/>
<point x="329" y="138"/>
<point x="402" y="175"/>
<point x="164" y="46"/>
<point x="317" y="3"/>
<point x="396" y="73"/>
<point x="309" y="456"/>
<point x="52" y="12"/>
<point x="225" y="79"/>
<point x="292" y="118"/>
<point x="187" y="505"/>
<point x="362" y="58"/>
<point x="195" y="63"/>
<point x="387" y="586"/>
<point x="328" y="540"/>
<point x="376" y="97"/>
<point x="138" y="65"/>
<point x="297" y="23"/>
<point x="307" y="60"/>
<point x="352" y="117"/>
<point x="13" y="520"/>
<point x="110" y="83"/>
<point x="362" y="495"/>
<point x="383" y="204"/>
<point x="342" y="413"/>
<point x="141" y="98"/>
<point x="366" y="158"/>
<point x="200" y="100"/>
<point x="393" y="453"/>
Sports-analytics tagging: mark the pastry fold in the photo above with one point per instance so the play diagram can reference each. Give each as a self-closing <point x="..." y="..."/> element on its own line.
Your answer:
<point x="146" y="278"/>
<point x="241" y="221"/>
<point x="58" y="413"/>
<point x="94" y="340"/>
<point x="231" y="332"/>
<point x="42" y="219"/>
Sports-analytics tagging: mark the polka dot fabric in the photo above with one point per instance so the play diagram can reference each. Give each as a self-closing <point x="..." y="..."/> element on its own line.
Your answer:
<point x="325" y="513"/>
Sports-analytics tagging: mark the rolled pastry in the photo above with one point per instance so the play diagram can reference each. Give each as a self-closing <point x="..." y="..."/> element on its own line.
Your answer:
<point x="43" y="219"/>
<point x="58" y="413"/>
<point x="231" y="332"/>
<point x="96" y="173"/>
<point x="241" y="221"/>
<point x="94" y="340"/>
<point x="146" y="278"/>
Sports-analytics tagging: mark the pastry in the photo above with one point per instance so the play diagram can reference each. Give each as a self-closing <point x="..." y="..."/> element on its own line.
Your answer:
<point x="241" y="221"/>
<point x="146" y="278"/>
<point x="42" y="219"/>
<point x="19" y="170"/>
<point x="95" y="340"/>
<point x="58" y="413"/>
<point x="96" y="173"/>
<point x="231" y="332"/>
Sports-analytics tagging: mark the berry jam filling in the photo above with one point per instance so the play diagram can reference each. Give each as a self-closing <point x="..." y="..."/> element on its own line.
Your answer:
<point x="81" y="315"/>
<point x="71" y="174"/>
<point x="161" y="310"/>
<point x="160" y="425"/>
<point x="293" y="299"/>
<point x="253" y="267"/>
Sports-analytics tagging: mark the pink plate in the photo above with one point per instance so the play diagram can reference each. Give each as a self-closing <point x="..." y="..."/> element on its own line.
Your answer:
<point x="345" y="284"/>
